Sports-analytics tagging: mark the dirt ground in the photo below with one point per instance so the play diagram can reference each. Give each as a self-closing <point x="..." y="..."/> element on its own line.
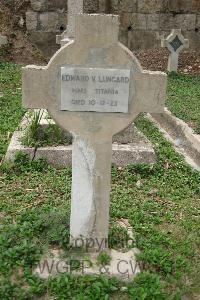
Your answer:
<point x="12" y="24"/>
<point x="156" y="60"/>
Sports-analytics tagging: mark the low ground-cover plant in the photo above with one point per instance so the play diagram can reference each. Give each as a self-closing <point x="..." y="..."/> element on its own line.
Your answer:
<point x="183" y="98"/>
<point x="10" y="103"/>
<point x="104" y="258"/>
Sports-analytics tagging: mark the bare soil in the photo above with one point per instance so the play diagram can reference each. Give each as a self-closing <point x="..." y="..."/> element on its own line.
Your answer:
<point x="156" y="60"/>
<point x="12" y="24"/>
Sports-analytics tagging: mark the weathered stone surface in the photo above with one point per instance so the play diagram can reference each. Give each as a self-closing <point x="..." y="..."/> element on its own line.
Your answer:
<point x="134" y="20"/>
<point x="74" y="8"/>
<point x="151" y="6"/>
<point x="42" y="28"/>
<point x="175" y="6"/>
<point x="143" y="39"/>
<point x="123" y="35"/>
<point x="132" y="154"/>
<point x="45" y="41"/>
<point x="194" y="38"/>
<point x="198" y="22"/>
<point x="138" y="21"/>
<point x="57" y="5"/>
<point x="123" y="265"/>
<point x="183" y="5"/>
<point x="166" y="22"/>
<point x="48" y="5"/>
<point x="96" y="45"/>
<point x="129" y="147"/>
<point x="175" y="43"/>
<point x="38" y="5"/>
<point x="31" y="20"/>
<point x="129" y="135"/>
<point x="48" y="21"/>
<point x="16" y="146"/>
<point x="183" y="21"/>
<point x="112" y="6"/>
<point x="91" y="6"/>
<point x="62" y="21"/>
<point x="102" y="6"/>
<point x="159" y="21"/>
<point x="60" y="156"/>
<point x="127" y="6"/>
<point x="125" y="20"/>
<point x="152" y="15"/>
<point x="181" y="135"/>
<point x="122" y="154"/>
<point x="153" y="21"/>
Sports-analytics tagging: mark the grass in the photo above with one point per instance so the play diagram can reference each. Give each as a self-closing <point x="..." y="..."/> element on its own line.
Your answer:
<point x="39" y="136"/>
<point x="184" y="98"/>
<point x="10" y="103"/>
<point x="163" y="211"/>
<point x="104" y="258"/>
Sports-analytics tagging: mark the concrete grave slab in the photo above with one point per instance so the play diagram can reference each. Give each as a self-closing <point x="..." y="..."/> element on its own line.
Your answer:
<point x="123" y="265"/>
<point x="16" y="146"/>
<point x="129" y="147"/>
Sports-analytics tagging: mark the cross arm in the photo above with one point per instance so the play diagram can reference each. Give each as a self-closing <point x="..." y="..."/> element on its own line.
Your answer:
<point x="164" y="43"/>
<point x="33" y="87"/>
<point x="151" y="91"/>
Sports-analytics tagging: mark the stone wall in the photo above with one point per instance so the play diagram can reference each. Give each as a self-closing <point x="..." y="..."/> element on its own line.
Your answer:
<point x="142" y="21"/>
<point x="46" y="19"/>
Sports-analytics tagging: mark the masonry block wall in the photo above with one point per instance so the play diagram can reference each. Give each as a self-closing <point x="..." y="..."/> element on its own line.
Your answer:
<point x="143" y="22"/>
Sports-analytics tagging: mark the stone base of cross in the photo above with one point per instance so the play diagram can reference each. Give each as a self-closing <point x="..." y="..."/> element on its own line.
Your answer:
<point x="94" y="87"/>
<point x="175" y="43"/>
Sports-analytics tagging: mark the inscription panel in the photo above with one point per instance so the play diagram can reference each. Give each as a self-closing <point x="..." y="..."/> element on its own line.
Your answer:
<point x="95" y="89"/>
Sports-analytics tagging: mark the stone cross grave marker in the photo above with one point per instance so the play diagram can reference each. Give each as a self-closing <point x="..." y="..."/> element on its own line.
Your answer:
<point x="93" y="87"/>
<point x="74" y="7"/>
<point x="3" y="40"/>
<point x="175" y="43"/>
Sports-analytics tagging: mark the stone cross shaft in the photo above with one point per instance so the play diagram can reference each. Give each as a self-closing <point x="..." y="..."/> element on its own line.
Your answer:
<point x="95" y="118"/>
<point x="175" y="43"/>
<point x="74" y="7"/>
